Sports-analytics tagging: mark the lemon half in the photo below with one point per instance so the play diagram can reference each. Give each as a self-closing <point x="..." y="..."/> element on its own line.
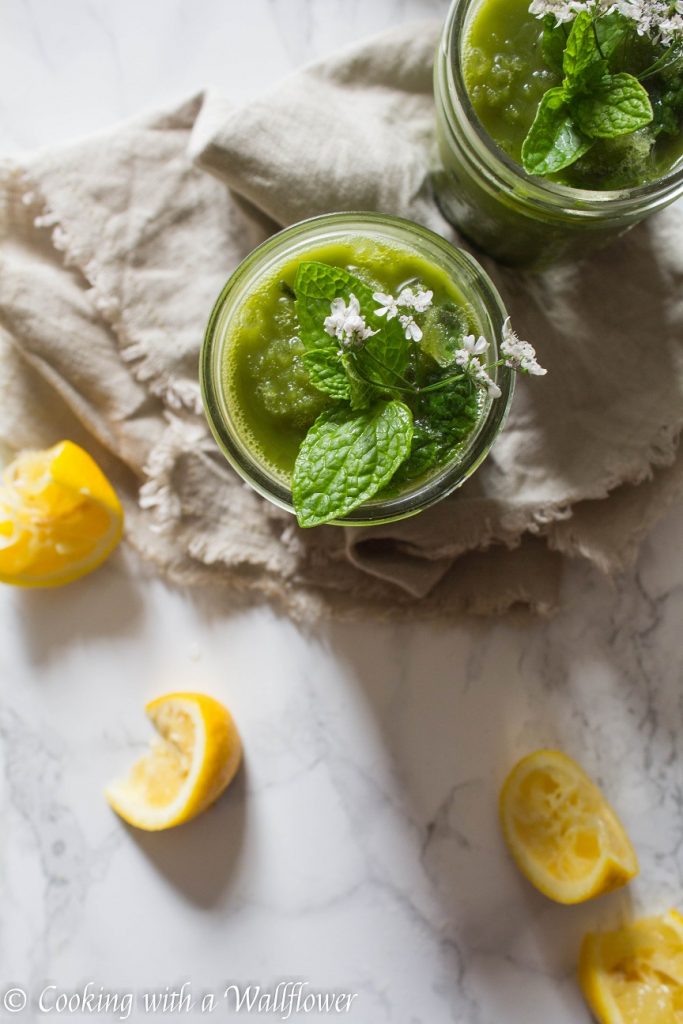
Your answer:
<point x="562" y="833"/>
<point x="59" y="517"/>
<point x="195" y="757"/>
<point x="635" y="975"/>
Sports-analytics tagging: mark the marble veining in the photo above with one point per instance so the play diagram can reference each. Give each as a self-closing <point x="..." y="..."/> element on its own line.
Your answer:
<point x="359" y="849"/>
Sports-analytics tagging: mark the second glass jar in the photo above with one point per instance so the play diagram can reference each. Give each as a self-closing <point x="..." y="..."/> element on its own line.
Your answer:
<point x="520" y="220"/>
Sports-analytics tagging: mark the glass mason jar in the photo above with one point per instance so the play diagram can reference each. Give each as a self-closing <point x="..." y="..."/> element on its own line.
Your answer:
<point x="472" y="282"/>
<point x="519" y="219"/>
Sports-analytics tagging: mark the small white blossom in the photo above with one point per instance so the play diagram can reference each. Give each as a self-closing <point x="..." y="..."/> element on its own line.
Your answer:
<point x="519" y="355"/>
<point x="334" y="323"/>
<point x="346" y="323"/>
<point x="467" y="358"/>
<point x="483" y="378"/>
<point x="388" y="305"/>
<point x="472" y="365"/>
<point x="419" y="300"/>
<point x="476" y="347"/>
<point x="410" y="328"/>
<point x="406" y="297"/>
<point x="563" y="10"/>
<point x="662" y="20"/>
<point x="422" y="301"/>
<point x="471" y="348"/>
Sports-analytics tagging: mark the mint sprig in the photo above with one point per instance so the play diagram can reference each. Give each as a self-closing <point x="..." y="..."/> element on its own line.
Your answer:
<point x="592" y="103"/>
<point x="351" y="451"/>
<point x="384" y="360"/>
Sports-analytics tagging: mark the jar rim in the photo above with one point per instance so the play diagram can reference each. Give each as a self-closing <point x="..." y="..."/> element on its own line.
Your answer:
<point x="476" y="286"/>
<point x="505" y="172"/>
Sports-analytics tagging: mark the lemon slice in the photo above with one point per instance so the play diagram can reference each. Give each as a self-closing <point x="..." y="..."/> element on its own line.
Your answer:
<point x="195" y="757"/>
<point x="59" y="517"/>
<point x="635" y="975"/>
<point x="563" y="835"/>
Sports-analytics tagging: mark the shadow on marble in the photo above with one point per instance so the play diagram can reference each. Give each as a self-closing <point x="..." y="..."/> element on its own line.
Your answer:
<point x="105" y="604"/>
<point x="201" y="858"/>
<point x="451" y="711"/>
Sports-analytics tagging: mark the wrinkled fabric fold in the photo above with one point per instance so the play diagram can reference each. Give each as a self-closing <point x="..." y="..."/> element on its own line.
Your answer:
<point x="113" y="250"/>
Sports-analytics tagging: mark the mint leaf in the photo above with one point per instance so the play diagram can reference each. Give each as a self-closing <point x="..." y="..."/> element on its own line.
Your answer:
<point x="389" y="346"/>
<point x="613" y="30"/>
<point x="326" y="372"/>
<point x="443" y="420"/>
<point x="621" y="106"/>
<point x="316" y="285"/>
<point x="581" y="50"/>
<point x="361" y="392"/>
<point x="553" y="42"/>
<point x="554" y="140"/>
<point x="347" y="457"/>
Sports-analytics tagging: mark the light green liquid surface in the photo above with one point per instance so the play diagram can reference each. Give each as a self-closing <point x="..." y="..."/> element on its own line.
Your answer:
<point x="264" y="379"/>
<point x="506" y="76"/>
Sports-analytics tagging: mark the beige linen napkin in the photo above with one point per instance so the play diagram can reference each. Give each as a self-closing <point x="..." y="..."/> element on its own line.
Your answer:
<point x="114" y="249"/>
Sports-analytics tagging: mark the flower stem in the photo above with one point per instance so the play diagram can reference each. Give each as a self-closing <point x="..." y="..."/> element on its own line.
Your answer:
<point x="394" y="373"/>
<point x="440" y="384"/>
<point x="382" y="385"/>
<point x="667" y="59"/>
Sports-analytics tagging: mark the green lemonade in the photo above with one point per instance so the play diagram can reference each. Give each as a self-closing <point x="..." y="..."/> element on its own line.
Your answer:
<point x="506" y="75"/>
<point x="267" y="385"/>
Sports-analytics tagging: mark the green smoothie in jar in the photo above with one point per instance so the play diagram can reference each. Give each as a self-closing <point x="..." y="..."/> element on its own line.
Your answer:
<point x="357" y="368"/>
<point x="267" y="375"/>
<point x="618" y="88"/>
<point x="560" y="122"/>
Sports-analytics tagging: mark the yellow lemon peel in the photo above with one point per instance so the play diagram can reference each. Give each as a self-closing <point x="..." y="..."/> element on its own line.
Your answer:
<point x="635" y="975"/>
<point x="195" y="757"/>
<point x="60" y="517"/>
<point x="563" y="835"/>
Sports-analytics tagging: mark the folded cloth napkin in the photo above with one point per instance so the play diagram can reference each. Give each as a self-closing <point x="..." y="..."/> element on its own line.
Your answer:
<point x="114" y="249"/>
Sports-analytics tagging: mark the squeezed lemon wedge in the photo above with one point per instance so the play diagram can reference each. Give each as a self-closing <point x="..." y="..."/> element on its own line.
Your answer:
<point x="194" y="758"/>
<point x="563" y="835"/>
<point x="635" y="975"/>
<point x="59" y="517"/>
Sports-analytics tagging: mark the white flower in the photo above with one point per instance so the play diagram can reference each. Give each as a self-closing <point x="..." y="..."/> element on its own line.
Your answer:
<point x="422" y="301"/>
<point x="388" y="305"/>
<point x="467" y="357"/>
<point x="410" y="328"/>
<point x="563" y="10"/>
<point x="662" y="20"/>
<point x="519" y="355"/>
<point x="346" y="323"/>
<point x="471" y="348"/>
<point x="482" y="377"/>
<point x="472" y="365"/>
<point x="419" y="300"/>
<point x="406" y="297"/>
<point x="334" y="323"/>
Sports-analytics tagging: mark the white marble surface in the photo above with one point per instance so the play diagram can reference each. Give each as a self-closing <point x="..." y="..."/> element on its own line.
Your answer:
<point x="359" y="849"/>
